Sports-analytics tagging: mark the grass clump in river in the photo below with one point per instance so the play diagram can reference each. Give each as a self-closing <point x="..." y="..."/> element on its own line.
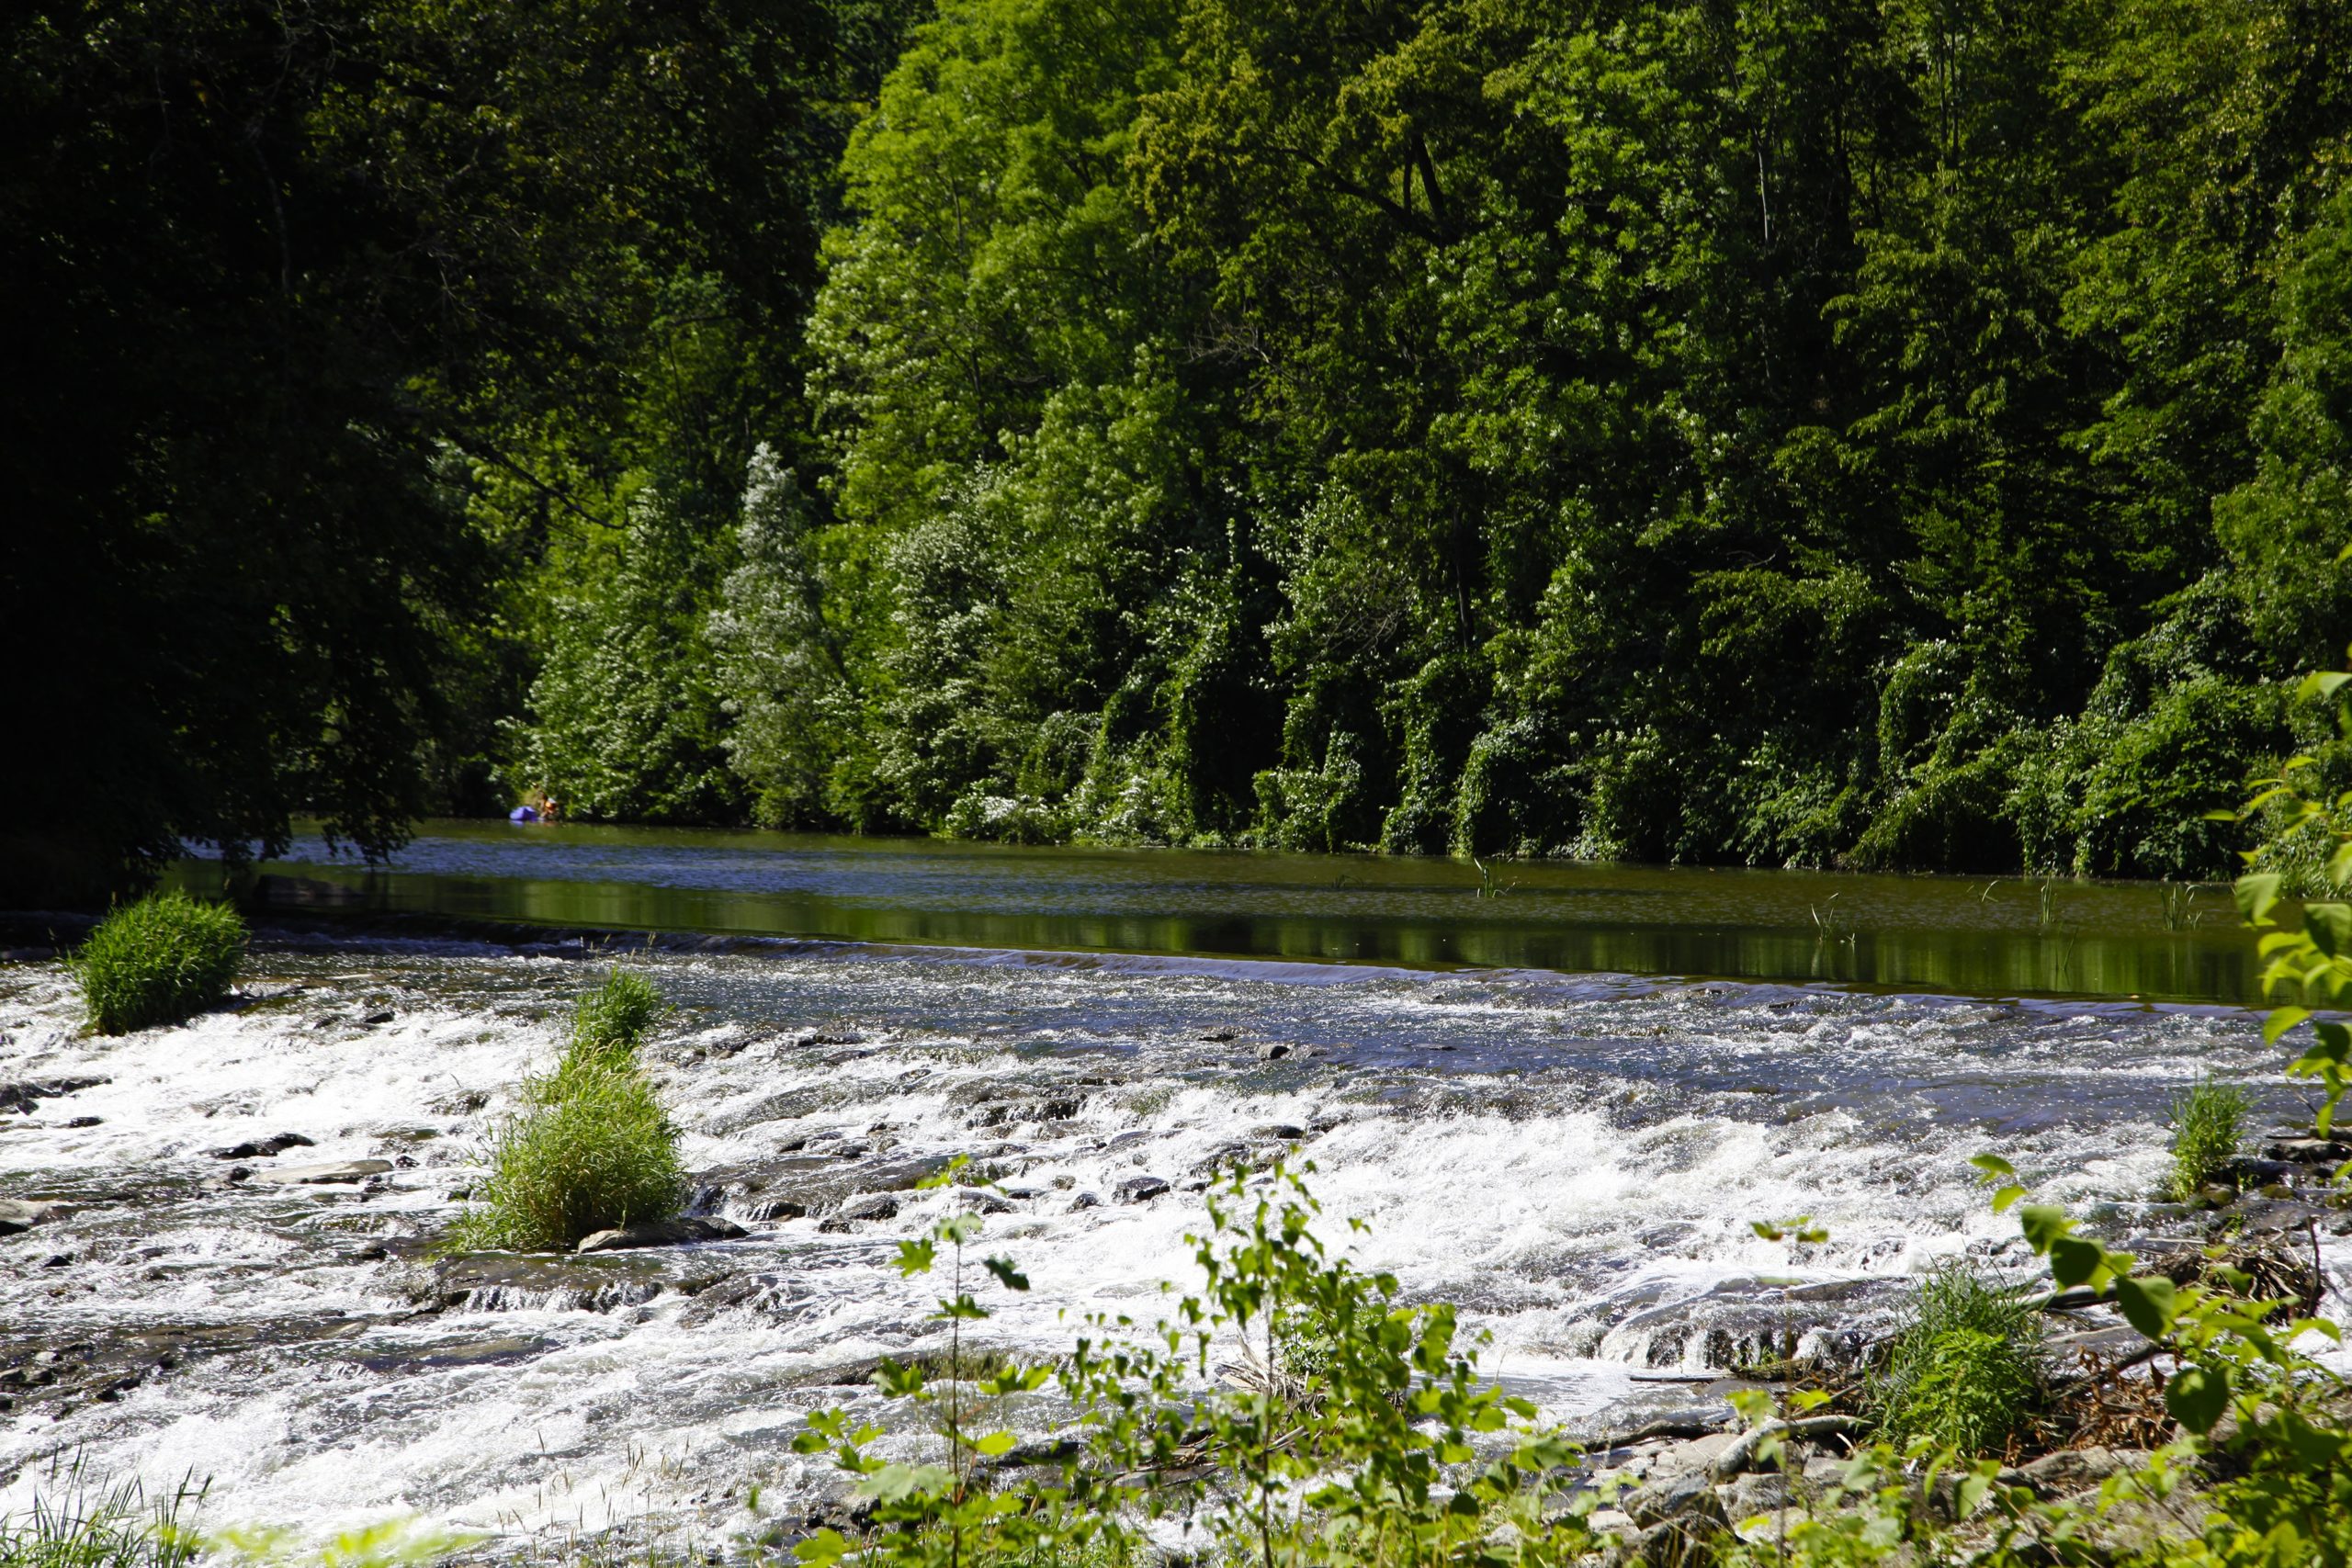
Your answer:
<point x="592" y="1147"/>
<point x="2207" y="1120"/>
<point x="158" y="961"/>
<point x="1966" y="1371"/>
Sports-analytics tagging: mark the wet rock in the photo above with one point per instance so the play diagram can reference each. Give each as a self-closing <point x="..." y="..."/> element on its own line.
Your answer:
<point x="811" y="1183"/>
<point x="85" y="1121"/>
<point x="1084" y="1201"/>
<point x="465" y="1102"/>
<point x="23" y="1214"/>
<point x="383" y="1015"/>
<point x="1284" y="1051"/>
<point x="263" y="1148"/>
<point x="20" y="1095"/>
<point x="1752" y="1494"/>
<point x="2308" y="1150"/>
<point x="1282" y="1130"/>
<point x="683" y="1231"/>
<point x="877" y="1206"/>
<point x="1683" y="1498"/>
<point x="527" y="1281"/>
<point x="1140" y="1189"/>
<point x="1221" y="1036"/>
<point x="2254" y="1172"/>
<point x="323" y="1175"/>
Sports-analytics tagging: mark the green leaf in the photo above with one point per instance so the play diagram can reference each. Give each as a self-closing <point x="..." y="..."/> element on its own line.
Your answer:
<point x="2197" y="1396"/>
<point x="916" y="1258"/>
<point x="995" y="1443"/>
<point x="2043" y="1224"/>
<point x="2007" y="1196"/>
<point x="2147" y="1304"/>
<point x="2073" y="1261"/>
<point x="2257" y="894"/>
<point x="825" y="1546"/>
<point x="2330" y="926"/>
<point x="1994" y="1167"/>
<point x="1012" y="1279"/>
<point x="2280" y="1020"/>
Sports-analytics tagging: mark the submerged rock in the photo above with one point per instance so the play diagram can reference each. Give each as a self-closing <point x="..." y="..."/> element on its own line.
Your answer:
<point x="1140" y="1189"/>
<point x="682" y="1231"/>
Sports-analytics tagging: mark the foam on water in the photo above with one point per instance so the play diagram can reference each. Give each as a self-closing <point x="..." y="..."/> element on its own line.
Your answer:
<point x="1574" y="1160"/>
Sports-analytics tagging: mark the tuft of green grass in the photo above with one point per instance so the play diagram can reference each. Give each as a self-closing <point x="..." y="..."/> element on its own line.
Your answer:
<point x="79" y="1524"/>
<point x="158" y="960"/>
<point x="1966" y="1371"/>
<point x="614" y="1018"/>
<point x="592" y="1147"/>
<point x="2207" y="1120"/>
<point x="598" y="1151"/>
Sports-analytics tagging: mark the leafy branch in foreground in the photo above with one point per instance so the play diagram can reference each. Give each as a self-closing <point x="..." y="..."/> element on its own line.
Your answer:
<point x="1382" y="1446"/>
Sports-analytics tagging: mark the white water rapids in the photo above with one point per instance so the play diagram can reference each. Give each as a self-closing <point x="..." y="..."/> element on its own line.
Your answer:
<point x="1574" y="1160"/>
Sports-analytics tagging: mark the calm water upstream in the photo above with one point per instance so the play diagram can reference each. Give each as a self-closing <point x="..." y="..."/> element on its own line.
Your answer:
<point x="1570" y="1150"/>
<point x="1942" y="934"/>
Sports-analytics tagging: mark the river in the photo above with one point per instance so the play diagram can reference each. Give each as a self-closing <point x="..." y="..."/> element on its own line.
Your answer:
<point x="1559" y="1108"/>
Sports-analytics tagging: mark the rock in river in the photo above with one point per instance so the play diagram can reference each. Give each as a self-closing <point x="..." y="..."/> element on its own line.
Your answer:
<point x="320" y="1175"/>
<point x="22" y="1214"/>
<point x="1140" y="1189"/>
<point x="661" y="1233"/>
<point x="262" y="1148"/>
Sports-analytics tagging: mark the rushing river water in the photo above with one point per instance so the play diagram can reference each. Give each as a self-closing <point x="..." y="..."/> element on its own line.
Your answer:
<point x="1572" y="1157"/>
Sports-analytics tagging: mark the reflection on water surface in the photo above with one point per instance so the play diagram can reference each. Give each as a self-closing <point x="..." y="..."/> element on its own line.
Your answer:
<point x="1920" y="933"/>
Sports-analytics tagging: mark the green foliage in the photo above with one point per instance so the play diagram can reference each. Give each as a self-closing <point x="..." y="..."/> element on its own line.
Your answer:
<point x="592" y="1147"/>
<point x="1966" y="1371"/>
<point x="1345" y="1436"/>
<point x="2208" y="1121"/>
<point x="158" y="961"/>
<point x="610" y="1023"/>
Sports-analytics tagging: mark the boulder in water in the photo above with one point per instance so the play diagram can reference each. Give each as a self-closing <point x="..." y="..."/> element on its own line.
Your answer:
<point x="1140" y="1189"/>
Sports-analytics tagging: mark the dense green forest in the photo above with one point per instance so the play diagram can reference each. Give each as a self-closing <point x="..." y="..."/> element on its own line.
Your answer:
<point x="1900" y="433"/>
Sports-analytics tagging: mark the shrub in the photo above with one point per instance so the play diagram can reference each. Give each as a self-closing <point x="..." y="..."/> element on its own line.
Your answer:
<point x="593" y="1147"/>
<point x="1965" y="1371"/>
<point x="158" y="961"/>
<point x="598" y="1154"/>
<point x="2206" y="1121"/>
